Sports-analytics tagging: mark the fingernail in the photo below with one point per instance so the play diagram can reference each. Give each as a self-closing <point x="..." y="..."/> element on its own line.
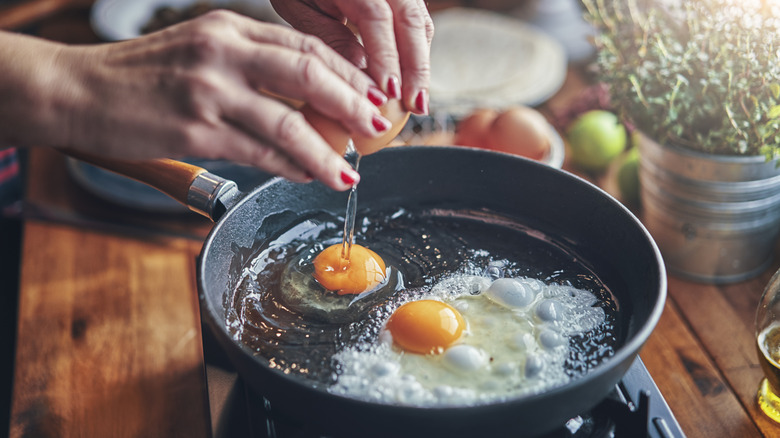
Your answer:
<point x="380" y="123"/>
<point x="393" y="87"/>
<point x="350" y="177"/>
<point x="376" y="96"/>
<point x="421" y="102"/>
<point x="309" y="176"/>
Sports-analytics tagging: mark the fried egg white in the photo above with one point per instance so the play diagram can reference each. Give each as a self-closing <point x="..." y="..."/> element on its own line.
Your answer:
<point x="515" y="341"/>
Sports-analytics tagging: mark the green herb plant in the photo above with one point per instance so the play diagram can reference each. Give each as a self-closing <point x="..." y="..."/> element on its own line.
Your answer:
<point x="699" y="74"/>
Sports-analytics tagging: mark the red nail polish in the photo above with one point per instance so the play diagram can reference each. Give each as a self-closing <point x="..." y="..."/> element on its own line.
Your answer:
<point x="380" y="123"/>
<point x="349" y="177"/>
<point x="421" y="102"/>
<point x="393" y="88"/>
<point x="376" y="96"/>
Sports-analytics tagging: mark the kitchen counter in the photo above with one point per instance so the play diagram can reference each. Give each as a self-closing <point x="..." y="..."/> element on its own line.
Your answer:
<point x="109" y="337"/>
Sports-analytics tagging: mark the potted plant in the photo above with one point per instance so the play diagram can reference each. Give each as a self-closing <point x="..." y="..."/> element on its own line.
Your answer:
<point x="700" y="79"/>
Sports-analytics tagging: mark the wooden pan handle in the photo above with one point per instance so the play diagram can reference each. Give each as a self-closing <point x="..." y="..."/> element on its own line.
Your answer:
<point x="171" y="177"/>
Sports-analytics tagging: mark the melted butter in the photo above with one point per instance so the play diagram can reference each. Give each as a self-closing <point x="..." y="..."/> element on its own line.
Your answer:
<point x="421" y="248"/>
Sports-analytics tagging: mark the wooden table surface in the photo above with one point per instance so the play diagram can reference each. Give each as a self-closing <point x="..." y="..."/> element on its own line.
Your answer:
<point x="109" y="341"/>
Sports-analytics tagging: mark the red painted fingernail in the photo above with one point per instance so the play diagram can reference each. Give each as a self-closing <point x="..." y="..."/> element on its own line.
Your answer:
<point x="309" y="176"/>
<point x="350" y="177"/>
<point x="380" y="123"/>
<point x="421" y="102"/>
<point x="376" y="96"/>
<point x="393" y="88"/>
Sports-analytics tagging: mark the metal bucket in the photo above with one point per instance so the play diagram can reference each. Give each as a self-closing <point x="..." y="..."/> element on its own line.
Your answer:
<point x="715" y="218"/>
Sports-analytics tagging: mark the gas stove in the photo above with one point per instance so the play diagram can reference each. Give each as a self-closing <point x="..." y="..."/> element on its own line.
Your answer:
<point x="634" y="408"/>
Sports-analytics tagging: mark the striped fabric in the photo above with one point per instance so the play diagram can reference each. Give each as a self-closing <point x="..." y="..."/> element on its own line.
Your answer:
<point x="9" y="165"/>
<point x="10" y="180"/>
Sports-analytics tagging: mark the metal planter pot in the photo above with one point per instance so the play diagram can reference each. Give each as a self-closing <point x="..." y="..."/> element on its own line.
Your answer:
<point x="716" y="218"/>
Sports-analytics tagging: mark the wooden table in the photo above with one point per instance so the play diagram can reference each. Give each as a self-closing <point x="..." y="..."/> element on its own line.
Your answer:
<point x="109" y="341"/>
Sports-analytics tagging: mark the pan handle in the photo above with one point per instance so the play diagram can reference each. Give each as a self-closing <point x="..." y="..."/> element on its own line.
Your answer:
<point x="193" y="186"/>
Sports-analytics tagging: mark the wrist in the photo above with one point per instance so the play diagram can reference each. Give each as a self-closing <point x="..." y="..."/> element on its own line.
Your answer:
<point x="37" y="90"/>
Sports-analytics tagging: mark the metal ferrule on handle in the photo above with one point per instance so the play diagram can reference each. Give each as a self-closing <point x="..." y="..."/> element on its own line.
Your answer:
<point x="193" y="186"/>
<point x="210" y="195"/>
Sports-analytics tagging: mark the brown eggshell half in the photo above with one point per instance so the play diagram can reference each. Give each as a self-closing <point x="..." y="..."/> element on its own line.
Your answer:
<point x="338" y="137"/>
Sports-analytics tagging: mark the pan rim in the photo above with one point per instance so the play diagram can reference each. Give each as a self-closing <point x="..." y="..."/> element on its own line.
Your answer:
<point x="628" y="350"/>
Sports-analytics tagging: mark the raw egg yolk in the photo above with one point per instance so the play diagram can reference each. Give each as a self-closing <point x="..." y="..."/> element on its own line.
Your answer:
<point x="363" y="271"/>
<point x="425" y="326"/>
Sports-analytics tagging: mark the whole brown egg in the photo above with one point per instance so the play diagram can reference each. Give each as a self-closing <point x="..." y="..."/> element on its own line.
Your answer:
<point x="520" y="130"/>
<point x="473" y="130"/>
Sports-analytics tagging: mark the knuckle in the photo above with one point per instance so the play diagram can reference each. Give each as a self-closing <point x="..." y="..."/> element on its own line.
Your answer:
<point x="412" y="18"/>
<point x="206" y="39"/>
<point x="415" y="16"/>
<point x="420" y="72"/>
<point x="311" y="69"/>
<point x="358" y="79"/>
<point x="261" y="155"/>
<point x="219" y="16"/>
<point x="375" y="11"/>
<point x="310" y="44"/>
<point x="204" y="45"/>
<point x="357" y="108"/>
<point x="429" y="28"/>
<point x="288" y="129"/>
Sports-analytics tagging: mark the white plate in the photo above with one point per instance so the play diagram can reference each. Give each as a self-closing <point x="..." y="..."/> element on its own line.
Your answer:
<point x="115" y="20"/>
<point x="484" y="59"/>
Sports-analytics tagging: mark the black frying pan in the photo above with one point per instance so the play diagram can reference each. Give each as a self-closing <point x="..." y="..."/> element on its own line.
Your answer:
<point x="593" y="225"/>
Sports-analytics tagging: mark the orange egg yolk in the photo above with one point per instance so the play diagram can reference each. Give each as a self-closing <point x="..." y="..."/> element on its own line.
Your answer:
<point x="425" y="326"/>
<point x="363" y="271"/>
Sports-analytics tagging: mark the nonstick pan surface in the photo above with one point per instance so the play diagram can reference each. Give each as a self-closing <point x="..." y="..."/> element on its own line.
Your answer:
<point x="573" y="212"/>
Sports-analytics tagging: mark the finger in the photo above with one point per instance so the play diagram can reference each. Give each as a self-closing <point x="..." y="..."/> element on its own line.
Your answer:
<point x="306" y="77"/>
<point x="232" y="142"/>
<point x="414" y="32"/>
<point x="276" y="123"/>
<point x="327" y="25"/>
<point x="315" y="73"/>
<point x="374" y="21"/>
<point x="326" y="30"/>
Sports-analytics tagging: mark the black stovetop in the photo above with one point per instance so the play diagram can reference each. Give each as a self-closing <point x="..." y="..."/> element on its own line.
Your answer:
<point x="635" y="408"/>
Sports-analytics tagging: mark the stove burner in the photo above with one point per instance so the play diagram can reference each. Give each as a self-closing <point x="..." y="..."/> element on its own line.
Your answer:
<point x="635" y="408"/>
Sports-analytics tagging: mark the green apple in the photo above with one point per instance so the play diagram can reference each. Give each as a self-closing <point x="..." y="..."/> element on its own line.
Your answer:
<point x="628" y="175"/>
<point x="596" y="138"/>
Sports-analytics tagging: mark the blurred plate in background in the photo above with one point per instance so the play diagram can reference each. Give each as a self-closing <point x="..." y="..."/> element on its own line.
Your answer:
<point x="482" y="59"/>
<point x="115" y="20"/>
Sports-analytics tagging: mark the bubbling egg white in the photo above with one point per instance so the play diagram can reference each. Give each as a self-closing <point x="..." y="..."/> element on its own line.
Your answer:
<point x="516" y="341"/>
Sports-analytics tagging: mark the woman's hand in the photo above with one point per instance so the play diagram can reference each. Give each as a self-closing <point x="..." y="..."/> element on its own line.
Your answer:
<point x="190" y="90"/>
<point x="396" y="36"/>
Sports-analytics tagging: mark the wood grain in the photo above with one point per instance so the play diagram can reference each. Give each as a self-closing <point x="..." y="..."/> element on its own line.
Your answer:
<point x="723" y="319"/>
<point x="109" y="338"/>
<point x="691" y="383"/>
